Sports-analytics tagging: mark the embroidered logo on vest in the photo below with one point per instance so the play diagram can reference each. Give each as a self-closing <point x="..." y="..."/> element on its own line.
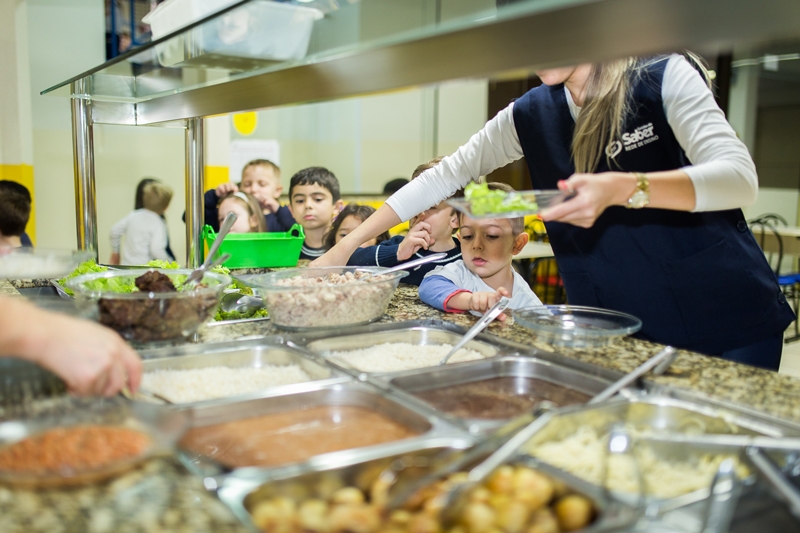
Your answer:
<point x="631" y="141"/>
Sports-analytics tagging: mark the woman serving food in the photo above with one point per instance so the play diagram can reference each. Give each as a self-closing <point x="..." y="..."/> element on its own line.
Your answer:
<point x="656" y="228"/>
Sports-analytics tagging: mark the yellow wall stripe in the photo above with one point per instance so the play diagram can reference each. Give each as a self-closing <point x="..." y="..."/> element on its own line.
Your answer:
<point x="23" y="174"/>
<point x="215" y="176"/>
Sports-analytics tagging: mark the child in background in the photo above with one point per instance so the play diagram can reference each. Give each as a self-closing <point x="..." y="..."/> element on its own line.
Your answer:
<point x="144" y="229"/>
<point x="315" y="200"/>
<point x="138" y="203"/>
<point x="262" y="179"/>
<point x="248" y="213"/>
<point x="430" y="232"/>
<point x="8" y="186"/>
<point x="15" y="210"/>
<point x="349" y="219"/>
<point x="484" y="274"/>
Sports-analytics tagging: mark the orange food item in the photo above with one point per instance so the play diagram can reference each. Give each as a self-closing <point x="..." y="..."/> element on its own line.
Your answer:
<point x="73" y="449"/>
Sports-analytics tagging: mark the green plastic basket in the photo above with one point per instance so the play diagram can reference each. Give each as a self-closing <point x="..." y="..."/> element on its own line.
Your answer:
<point x="259" y="250"/>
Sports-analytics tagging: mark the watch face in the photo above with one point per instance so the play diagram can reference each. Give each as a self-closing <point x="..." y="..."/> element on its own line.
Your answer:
<point x="639" y="199"/>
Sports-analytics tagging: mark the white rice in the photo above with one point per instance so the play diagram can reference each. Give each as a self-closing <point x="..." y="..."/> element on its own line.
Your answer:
<point x="198" y="384"/>
<point x="397" y="356"/>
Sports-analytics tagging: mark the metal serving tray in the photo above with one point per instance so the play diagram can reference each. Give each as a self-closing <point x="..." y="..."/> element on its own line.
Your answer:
<point x="427" y="379"/>
<point x="369" y="335"/>
<point x="241" y="492"/>
<point x="659" y="414"/>
<point x="432" y="430"/>
<point x="253" y="353"/>
<point x="413" y="333"/>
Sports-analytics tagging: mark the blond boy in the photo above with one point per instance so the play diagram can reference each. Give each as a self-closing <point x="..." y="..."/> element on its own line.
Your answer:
<point x="145" y="230"/>
<point x="261" y="178"/>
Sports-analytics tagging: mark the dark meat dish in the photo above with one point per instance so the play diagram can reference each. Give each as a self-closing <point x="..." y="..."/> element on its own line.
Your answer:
<point x="146" y="319"/>
<point x="499" y="398"/>
<point x="154" y="281"/>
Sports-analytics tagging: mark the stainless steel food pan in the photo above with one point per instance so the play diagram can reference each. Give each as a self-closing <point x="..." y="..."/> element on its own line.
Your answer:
<point x="642" y="414"/>
<point x="421" y="335"/>
<point x="253" y="353"/>
<point x="431" y="430"/>
<point x="242" y="493"/>
<point x="424" y="380"/>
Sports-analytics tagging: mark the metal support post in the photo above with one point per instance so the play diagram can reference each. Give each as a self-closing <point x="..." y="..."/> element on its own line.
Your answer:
<point x="83" y="168"/>
<point x="194" y="192"/>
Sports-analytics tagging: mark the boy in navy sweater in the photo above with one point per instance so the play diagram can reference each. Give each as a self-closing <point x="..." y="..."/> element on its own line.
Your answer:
<point x="262" y="179"/>
<point x="430" y="232"/>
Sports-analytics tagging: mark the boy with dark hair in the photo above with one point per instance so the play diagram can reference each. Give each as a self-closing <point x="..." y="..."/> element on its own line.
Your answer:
<point x="8" y="186"/>
<point x="315" y="201"/>
<point x="15" y="210"/>
<point x="430" y="232"/>
<point x="484" y="274"/>
<point x="261" y="178"/>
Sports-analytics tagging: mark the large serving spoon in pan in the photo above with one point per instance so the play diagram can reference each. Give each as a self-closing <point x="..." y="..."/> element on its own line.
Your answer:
<point x="197" y="274"/>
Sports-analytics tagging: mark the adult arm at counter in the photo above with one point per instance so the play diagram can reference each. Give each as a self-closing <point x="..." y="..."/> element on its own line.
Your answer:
<point x="91" y="359"/>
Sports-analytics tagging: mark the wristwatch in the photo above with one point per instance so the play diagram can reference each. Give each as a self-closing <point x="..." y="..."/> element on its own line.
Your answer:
<point x="641" y="196"/>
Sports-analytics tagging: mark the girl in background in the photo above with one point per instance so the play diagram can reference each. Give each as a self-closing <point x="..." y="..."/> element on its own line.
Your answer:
<point x="349" y="219"/>
<point x="248" y="210"/>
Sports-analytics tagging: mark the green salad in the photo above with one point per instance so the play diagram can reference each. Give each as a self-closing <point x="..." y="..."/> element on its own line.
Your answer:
<point x="120" y="286"/>
<point x="484" y="201"/>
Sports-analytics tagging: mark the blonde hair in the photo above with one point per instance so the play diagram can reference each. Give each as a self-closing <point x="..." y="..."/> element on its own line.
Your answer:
<point x="252" y="206"/>
<point x="606" y="106"/>
<point x="156" y="197"/>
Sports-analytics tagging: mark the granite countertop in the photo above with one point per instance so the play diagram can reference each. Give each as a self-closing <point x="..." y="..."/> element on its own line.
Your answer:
<point x="162" y="496"/>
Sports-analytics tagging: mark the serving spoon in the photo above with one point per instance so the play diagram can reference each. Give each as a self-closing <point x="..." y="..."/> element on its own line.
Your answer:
<point x="197" y="274"/>
<point x="406" y="265"/>
<point x="479" y="326"/>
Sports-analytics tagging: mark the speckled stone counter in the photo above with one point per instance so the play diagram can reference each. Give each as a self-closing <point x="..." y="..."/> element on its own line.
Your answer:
<point x="162" y="496"/>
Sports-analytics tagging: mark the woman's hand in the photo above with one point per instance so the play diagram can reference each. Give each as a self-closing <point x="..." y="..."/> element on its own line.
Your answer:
<point x="91" y="359"/>
<point x="418" y="237"/>
<point x="595" y="193"/>
<point x="115" y="259"/>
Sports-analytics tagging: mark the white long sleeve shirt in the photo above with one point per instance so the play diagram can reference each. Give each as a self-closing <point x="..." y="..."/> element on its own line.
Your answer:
<point x="722" y="171"/>
<point x="145" y="235"/>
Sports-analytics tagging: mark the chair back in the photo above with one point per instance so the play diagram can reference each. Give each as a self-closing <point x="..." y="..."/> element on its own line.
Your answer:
<point x="769" y="240"/>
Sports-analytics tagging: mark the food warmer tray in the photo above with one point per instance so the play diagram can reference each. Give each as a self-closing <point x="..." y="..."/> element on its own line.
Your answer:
<point x="433" y="431"/>
<point x="253" y="353"/>
<point x="415" y="381"/>
<point x="664" y="414"/>
<point x="242" y="490"/>
<point x="433" y="331"/>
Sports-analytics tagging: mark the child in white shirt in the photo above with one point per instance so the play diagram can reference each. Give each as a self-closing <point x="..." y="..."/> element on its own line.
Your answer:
<point x="144" y="229"/>
<point x="484" y="274"/>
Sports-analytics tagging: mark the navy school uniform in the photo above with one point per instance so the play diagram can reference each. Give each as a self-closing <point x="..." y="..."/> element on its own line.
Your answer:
<point x="697" y="281"/>
<point x="385" y="255"/>
<point x="281" y="220"/>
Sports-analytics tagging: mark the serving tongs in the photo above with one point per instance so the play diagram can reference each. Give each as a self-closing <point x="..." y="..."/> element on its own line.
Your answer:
<point x="197" y="274"/>
<point x="504" y="443"/>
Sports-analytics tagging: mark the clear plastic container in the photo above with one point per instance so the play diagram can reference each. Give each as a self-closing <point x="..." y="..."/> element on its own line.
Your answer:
<point x="303" y="298"/>
<point x="148" y="316"/>
<point x="538" y="200"/>
<point x="261" y="29"/>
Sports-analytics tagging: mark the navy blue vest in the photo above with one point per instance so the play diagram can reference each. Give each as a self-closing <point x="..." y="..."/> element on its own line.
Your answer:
<point x="696" y="280"/>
